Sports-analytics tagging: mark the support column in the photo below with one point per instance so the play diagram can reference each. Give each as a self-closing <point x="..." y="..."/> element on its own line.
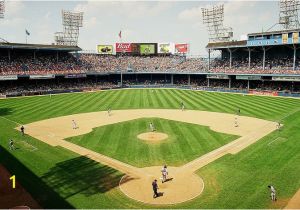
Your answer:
<point x="121" y="78"/>
<point x="264" y="58"/>
<point x="172" y="79"/>
<point x="189" y="79"/>
<point x="249" y="58"/>
<point x="294" y="61"/>
<point x="57" y="56"/>
<point x="229" y="85"/>
<point x="208" y="59"/>
<point x="9" y="58"/>
<point x="248" y="85"/>
<point x="34" y="55"/>
<point x="230" y="58"/>
<point x="207" y="82"/>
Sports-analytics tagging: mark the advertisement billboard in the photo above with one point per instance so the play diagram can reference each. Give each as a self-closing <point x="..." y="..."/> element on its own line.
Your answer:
<point x="123" y="47"/>
<point x="146" y="49"/>
<point x="285" y="38"/>
<point x="165" y="48"/>
<point x="296" y="37"/>
<point x="181" y="48"/>
<point x="44" y="76"/>
<point x="9" y="77"/>
<point x="105" y="49"/>
<point x="135" y="48"/>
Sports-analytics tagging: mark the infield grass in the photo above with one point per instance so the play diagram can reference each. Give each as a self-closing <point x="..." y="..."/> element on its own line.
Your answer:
<point x="185" y="142"/>
<point x="58" y="178"/>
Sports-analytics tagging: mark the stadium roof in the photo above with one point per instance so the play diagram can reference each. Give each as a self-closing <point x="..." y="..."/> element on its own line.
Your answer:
<point x="274" y="32"/>
<point x="222" y="45"/>
<point x="22" y="46"/>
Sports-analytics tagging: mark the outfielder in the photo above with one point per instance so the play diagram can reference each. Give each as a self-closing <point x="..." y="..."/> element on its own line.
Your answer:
<point x="11" y="144"/>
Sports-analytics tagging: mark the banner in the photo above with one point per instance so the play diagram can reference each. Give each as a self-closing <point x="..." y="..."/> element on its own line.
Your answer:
<point x="75" y="76"/>
<point x="135" y="48"/>
<point x="244" y="77"/>
<point x="221" y="76"/>
<point x="263" y="93"/>
<point x="146" y="49"/>
<point x="9" y="77"/>
<point x="46" y="76"/>
<point x="123" y="47"/>
<point x="285" y="38"/>
<point x="286" y="78"/>
<point x="165" y="48"/>
<point x="296" y="37"/>
<point x="105" y="49"/>
<point x="181" y="48"/>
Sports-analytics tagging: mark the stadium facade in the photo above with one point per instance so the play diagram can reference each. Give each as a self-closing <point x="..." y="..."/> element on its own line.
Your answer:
<point x="245" y="66"/>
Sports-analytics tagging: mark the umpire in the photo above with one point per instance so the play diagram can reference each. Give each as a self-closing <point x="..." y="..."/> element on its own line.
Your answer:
<point x="155" y="188"/>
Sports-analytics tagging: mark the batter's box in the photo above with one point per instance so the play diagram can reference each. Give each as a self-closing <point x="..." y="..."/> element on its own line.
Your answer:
<point x="27" y="146"/>
<point x="276" y="141"/>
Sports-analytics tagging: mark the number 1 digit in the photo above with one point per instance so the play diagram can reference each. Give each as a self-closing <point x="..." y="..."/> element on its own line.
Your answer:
<point x="13" y="178"/>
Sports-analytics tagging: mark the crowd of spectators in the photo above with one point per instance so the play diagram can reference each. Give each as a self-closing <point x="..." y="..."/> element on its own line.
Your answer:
<point x="111" y="63"/>
<point x="43" y="64"/>
<point x="67" y="63"/>
<point x="273" y="65"/>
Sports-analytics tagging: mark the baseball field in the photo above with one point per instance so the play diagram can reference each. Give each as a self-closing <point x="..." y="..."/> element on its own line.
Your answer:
<point x="216" y="158"/>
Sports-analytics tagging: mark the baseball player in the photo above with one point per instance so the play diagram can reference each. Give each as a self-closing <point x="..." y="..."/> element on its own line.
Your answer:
<point x="74" y="125"/>
<point x="273" y="192"/>
<point x="152" y="129"/>
<point x="109" y="111"/>
<point x="182" y="106"/>
<point x="11" y="144"/>
<point x="236" y="122"/>
<point x="278" y="125"/>
<point x="22" y="130"/>
<point x="164" y="173"/>
<point x="238" y="112"/>
<point x="155" y="188"/>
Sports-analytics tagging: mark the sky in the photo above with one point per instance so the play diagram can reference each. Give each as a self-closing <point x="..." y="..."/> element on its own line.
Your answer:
<point x="140" y="21"/>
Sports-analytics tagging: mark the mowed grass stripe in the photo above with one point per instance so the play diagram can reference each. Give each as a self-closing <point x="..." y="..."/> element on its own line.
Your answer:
<point x="234" y="106"/>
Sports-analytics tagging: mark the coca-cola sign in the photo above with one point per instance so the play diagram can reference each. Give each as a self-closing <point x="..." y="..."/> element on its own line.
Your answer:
<point x="123" y="47"/>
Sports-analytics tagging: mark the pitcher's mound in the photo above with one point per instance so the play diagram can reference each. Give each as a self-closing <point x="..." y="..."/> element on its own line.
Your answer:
<point x="152" y="136"/>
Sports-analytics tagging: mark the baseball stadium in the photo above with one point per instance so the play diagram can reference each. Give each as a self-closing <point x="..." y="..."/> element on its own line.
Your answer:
<point x="147" y="125"/>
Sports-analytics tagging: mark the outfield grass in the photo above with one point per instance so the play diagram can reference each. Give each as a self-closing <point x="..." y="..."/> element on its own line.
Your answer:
<point x="233" y="181"/>
<point x="185" y="143"/>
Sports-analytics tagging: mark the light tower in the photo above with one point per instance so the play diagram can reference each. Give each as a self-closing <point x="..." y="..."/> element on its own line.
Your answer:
<point x="213" y="18"/>
<point x="2" y="8"/>
<point x="71" y="22"/>
<point x="288" y="14"/>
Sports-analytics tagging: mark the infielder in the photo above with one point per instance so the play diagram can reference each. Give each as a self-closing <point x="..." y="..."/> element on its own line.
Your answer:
<point x="273" y="192"/>
<point x="236" y="122"/>
<point x="108" y="111"/>
<point x="74" y="125"/>
<point x="182" y="106"/>
<point x="278" y="125"/>
<point x="22" y="130"/>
